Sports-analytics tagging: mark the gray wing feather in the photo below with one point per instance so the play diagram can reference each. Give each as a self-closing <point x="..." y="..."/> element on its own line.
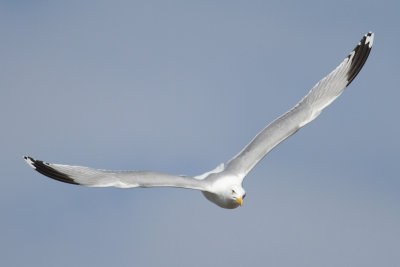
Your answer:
<point x="320" y="96"/>
<point x="122" y="179"/>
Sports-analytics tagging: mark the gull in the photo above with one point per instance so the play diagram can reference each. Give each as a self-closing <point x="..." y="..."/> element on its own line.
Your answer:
<point x="223" y="185"/>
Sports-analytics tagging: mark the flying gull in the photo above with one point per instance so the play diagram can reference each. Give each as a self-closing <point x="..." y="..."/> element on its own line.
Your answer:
<point x="223" y="185"/>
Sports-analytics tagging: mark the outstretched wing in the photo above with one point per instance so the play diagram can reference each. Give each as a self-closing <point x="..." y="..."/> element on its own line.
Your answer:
<point x="320" y="96"/>
<point x="122" y="179"/>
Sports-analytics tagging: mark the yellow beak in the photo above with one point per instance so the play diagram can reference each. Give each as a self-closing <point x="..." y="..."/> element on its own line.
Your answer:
<point x="239" y="200"/>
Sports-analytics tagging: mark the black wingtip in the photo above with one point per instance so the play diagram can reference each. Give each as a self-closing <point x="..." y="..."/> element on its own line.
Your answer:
<point x="45" y="169"/>
<point x="361" y="52"/>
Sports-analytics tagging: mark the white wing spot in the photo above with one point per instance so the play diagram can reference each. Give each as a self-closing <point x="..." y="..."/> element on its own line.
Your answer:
<point x="30" y="162"/>
<point x="370" y="40"/>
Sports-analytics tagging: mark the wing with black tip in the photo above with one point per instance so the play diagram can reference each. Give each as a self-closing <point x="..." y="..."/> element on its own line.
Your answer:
<point x="122" y="179"/>
<point x="320" y="96"/>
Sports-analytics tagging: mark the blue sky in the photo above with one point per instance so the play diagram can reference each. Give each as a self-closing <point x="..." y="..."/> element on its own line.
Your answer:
<point x="179" y="87"/>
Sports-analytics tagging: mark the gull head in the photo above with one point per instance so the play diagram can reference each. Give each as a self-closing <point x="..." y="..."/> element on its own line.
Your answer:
<point x="237" y="194"/>
<point x="230" y="197"/>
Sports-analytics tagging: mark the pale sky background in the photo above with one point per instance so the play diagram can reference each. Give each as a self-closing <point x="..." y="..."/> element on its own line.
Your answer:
<point x="179" y="87"/>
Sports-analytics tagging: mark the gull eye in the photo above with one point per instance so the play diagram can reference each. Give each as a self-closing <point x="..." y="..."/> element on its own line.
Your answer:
<point x="233" y="191"/>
